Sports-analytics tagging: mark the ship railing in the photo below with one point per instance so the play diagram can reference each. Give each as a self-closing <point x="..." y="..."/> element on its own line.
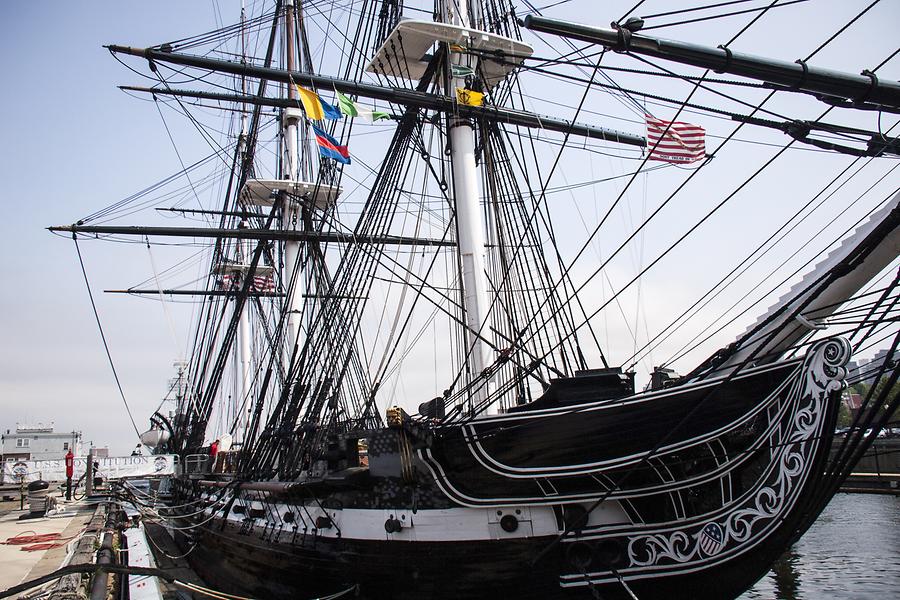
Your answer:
<point x="196" y="463"/>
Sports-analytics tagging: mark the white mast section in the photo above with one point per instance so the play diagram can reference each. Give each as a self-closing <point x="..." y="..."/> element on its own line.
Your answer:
<point x="291" y="276"/>
<point x="404" y="54"/>
<point x="469" y="217"/>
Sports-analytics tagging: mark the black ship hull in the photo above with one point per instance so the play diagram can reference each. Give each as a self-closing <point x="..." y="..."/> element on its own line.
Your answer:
<point x="686" y="510"/>
<point x="230" y="561"/>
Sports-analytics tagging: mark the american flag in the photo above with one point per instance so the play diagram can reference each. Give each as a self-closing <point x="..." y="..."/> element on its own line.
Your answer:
<point x="711" y="539"/>
<point x="261" y="283"/>
<point x="682" y="143"/>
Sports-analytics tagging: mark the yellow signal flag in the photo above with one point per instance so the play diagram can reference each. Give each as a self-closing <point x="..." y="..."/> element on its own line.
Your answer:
<point x="469" y="97"/>
<point x="311" y="105"/>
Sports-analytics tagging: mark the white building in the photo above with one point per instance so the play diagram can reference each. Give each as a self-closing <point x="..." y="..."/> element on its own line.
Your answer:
<point x="39" y="442"/>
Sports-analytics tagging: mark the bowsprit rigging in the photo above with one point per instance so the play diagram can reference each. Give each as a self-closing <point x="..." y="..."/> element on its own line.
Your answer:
<point x="335" y="282"/>
<point x="865" y="90"/>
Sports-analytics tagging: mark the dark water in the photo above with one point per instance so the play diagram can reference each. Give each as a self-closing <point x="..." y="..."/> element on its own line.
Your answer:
<point x="851" y="552"/>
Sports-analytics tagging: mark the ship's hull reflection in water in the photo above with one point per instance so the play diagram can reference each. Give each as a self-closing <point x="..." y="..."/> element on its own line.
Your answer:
<point x="784" y="576"/>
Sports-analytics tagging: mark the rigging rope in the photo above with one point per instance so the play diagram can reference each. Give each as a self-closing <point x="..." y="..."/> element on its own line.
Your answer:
<point x="162" y="298"/>
<point x="103" y="336"/>
<point x="746" y="263"/>
<point x="681" y="352"/>
<point x="721" y="15"/>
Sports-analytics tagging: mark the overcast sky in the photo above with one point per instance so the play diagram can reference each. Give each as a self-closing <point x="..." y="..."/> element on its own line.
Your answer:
<point x="74" y="143"/>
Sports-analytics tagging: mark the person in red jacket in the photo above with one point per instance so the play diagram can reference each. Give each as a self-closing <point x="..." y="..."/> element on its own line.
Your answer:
<point x="213" y="454"/>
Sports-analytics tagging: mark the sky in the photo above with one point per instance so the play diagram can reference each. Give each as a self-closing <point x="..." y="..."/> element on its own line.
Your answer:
<point x="75" y="144"/>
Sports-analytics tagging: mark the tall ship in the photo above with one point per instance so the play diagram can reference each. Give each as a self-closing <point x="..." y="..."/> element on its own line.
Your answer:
<point x="397" y="387"/>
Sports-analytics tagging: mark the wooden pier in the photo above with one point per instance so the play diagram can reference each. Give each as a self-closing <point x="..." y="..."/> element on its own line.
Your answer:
<point x="872" y="483"/>
<point x="878" y="471"/>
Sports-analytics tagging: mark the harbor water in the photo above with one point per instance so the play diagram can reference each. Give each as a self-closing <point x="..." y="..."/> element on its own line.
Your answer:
<point x="851" y="552"/>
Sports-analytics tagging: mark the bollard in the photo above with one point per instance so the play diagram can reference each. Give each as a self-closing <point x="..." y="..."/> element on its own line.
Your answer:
<point x="38" y="497"/>
<point x="89" y="476"/>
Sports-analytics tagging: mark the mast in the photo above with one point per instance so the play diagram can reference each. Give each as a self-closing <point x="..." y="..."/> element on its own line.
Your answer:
<point x="290" y="209"/>
<point x="243" y="258"/>
<point x="469" y="217"/>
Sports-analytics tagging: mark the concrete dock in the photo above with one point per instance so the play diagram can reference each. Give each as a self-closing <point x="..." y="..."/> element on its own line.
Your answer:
<point x="23" y="562"/>
<point x="35" y="545"/>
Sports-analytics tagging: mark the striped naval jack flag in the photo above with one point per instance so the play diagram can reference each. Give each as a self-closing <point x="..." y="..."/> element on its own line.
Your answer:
<point x="674" y="141"/>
